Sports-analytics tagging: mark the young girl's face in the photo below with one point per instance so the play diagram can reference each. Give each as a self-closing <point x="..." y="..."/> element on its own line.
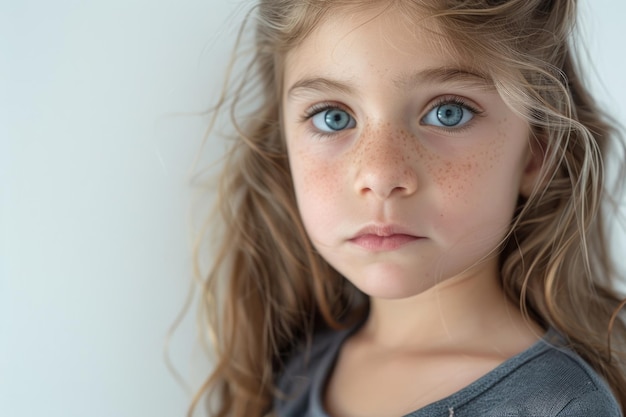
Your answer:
<point x="407" y="165"/>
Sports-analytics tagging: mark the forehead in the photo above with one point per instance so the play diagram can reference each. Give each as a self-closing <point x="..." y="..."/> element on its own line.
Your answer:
<point x="389" y="44"/>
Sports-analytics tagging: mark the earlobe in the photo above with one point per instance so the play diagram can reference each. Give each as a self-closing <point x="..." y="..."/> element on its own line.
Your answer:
<point x="532" y="169"/>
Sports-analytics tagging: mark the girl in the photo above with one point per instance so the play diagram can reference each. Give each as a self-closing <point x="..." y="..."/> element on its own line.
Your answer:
<point x="412" y="221"/>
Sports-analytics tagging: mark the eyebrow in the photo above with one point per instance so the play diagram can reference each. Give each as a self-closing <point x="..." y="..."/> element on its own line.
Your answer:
<point x="402" y="82"/>
<point x="441" y="75"/>
<point x="321" y="84"/>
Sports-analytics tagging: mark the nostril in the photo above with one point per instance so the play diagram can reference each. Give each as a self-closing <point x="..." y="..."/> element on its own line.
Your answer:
<point x="386" y="186"/>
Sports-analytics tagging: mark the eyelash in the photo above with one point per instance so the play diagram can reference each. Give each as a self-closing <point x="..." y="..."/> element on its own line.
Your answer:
<point x="321" y="107"/>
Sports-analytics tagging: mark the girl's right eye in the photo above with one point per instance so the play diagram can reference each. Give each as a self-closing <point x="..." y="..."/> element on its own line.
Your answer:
<point x="332" y="119"/>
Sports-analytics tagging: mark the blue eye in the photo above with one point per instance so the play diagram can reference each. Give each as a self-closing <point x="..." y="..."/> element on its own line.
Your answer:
<point x="333" y="120"/>
<point x="449" y="115"/>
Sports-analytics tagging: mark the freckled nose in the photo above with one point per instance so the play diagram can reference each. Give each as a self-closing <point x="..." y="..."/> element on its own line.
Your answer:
<point x="384" y="167"/>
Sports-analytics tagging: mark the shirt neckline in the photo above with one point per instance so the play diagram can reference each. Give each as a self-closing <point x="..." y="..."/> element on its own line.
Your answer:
<point x="452" y="401"/>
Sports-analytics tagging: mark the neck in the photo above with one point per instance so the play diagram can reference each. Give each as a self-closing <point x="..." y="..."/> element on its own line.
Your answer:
<point x="468" y="311"/>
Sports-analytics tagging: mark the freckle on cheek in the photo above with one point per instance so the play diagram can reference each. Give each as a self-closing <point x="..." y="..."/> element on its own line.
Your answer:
<point x="315" y="177"/>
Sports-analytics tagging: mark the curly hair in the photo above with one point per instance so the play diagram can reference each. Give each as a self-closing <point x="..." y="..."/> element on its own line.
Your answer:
<point x="268" y="289"/>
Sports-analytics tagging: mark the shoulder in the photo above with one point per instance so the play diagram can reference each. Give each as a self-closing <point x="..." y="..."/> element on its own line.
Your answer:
<point x="305" y="372"/>
<point x="549" y="380"/>
<point x="581" y="390"/>
<point x="592" y="403"/>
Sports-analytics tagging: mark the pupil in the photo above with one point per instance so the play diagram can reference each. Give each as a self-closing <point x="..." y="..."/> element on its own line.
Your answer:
<point x="450" y="114"/>
<point x="337" y="119"/>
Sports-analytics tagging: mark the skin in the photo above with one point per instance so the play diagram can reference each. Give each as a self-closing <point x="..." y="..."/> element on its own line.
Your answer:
<point x="410" y="212"/>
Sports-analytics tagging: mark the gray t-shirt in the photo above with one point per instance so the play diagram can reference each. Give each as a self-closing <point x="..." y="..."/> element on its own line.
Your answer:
<point x="545" y="380"/>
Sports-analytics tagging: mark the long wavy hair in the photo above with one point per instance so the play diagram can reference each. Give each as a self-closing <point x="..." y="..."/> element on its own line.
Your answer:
<point x="268" y="290"/>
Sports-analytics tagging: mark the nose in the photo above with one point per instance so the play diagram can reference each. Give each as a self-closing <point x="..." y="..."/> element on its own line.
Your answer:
<point x="385" y="167"/>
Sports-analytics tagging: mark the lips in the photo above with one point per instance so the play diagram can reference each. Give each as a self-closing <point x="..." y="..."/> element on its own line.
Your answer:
<point x="378" y="238"/>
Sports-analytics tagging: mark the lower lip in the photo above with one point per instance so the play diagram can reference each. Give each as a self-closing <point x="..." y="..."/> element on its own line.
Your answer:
<point x="383" y="243"/>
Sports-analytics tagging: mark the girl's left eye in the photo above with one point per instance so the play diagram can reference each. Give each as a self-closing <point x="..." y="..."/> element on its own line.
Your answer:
<point x="333" y="120"/>
<point x="449" y="115"/>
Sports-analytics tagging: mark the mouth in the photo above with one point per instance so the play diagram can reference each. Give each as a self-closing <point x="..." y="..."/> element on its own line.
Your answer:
<point x="377" y="238"/>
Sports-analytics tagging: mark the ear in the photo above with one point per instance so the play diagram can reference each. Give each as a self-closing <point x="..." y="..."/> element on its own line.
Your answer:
<point x="532" y="168"/>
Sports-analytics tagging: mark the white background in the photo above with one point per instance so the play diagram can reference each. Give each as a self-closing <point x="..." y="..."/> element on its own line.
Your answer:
<point x="94" y="203"/>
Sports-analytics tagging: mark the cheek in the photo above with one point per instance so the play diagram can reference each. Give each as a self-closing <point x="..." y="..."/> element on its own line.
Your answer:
<point x="313" y="178"/>
<point x="463" y="178"/>
<point x="483" y="183"/>
<point x="317" y="181"/>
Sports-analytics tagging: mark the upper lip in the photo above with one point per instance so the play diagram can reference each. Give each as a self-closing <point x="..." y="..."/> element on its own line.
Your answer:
<point x="384" y="230"/>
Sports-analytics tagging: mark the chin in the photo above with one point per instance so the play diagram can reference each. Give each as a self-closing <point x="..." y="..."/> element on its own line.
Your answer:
<point x="391" y="285"/>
